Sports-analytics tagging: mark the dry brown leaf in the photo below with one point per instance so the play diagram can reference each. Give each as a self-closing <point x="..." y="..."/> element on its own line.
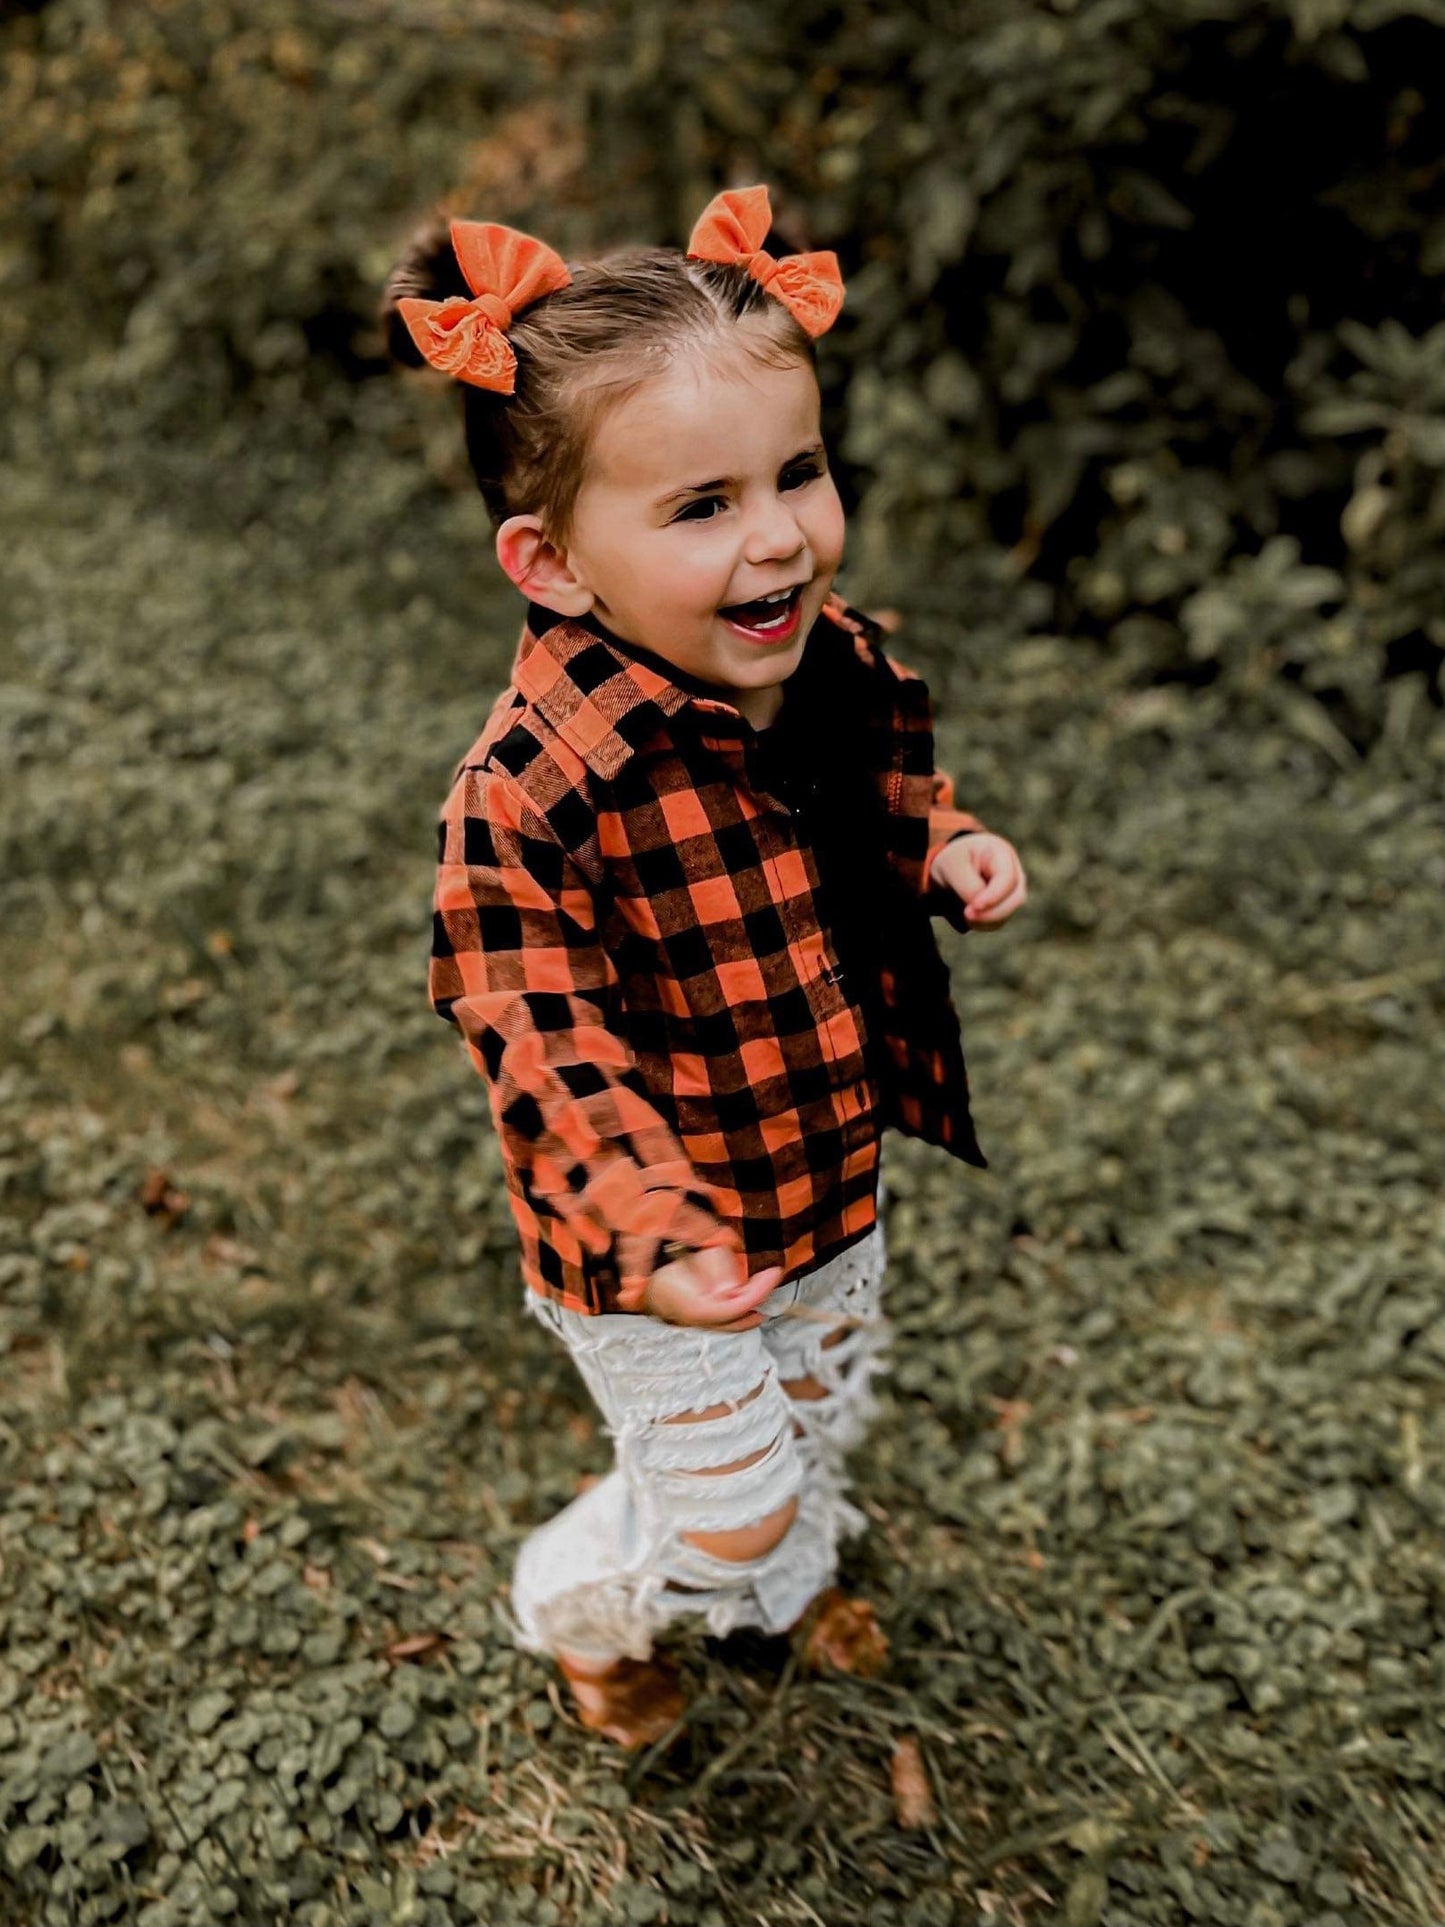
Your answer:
<point x="161" y="1198"/>
<point x="843" y="1635"/>
<point x="912" y="1795"/>
<point x="414" y="1644"/>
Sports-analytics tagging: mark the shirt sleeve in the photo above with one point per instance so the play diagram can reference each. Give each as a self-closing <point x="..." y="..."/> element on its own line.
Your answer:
<point x="518" y="968"/>
<point x="945" y="819"/>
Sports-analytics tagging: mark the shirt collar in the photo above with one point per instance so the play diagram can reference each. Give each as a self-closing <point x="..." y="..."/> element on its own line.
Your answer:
<point x="605" y="697"/>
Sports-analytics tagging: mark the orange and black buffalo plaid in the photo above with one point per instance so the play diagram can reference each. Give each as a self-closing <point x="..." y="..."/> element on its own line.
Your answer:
<point x="694" y="961"/>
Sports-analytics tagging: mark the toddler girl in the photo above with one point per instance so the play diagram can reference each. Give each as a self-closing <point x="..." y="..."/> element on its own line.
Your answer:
<point x="682" y="921"/>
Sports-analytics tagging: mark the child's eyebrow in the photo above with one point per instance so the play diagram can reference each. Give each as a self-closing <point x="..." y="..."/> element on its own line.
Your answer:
<point x="727" y="481"/>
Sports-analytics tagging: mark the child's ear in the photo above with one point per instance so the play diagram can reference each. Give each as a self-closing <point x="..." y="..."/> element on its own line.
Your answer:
<point x="539" y="568"/>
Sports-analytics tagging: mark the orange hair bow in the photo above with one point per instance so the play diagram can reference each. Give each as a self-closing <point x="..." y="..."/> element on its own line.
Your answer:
<point x="505" y="270"/>
<point x="733" y="226"/>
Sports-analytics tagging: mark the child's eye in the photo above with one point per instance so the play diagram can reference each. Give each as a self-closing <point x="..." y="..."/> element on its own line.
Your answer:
<point x="792" y="478"/>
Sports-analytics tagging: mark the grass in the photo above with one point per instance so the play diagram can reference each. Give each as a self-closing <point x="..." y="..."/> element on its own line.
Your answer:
<point x="1152" y="1492"/>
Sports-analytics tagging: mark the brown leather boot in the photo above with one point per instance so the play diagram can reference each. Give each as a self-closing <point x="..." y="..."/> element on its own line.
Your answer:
<point x="841" y="1635"/>
<point x="631" y="1701"/>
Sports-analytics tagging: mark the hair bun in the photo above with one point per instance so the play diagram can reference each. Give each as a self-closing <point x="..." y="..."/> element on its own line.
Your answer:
<point x="428" y="269"/>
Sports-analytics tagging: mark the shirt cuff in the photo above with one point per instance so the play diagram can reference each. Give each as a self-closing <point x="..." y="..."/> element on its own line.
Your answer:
<point x="640" y="1252"/>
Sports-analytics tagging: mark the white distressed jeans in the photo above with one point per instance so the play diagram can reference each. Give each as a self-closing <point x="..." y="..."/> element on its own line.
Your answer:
<point x="604" y="1576"/>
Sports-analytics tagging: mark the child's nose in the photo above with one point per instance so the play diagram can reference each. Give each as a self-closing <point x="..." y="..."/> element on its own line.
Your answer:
<point x="775" y="533"/>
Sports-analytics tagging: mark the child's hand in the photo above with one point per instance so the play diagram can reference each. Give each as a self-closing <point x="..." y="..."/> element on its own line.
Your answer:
<point x="985" y="871"/>
<point x="710" y="1288"/>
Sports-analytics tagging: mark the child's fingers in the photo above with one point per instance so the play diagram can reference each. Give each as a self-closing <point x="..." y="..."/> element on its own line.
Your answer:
<point x="741" y="1324"/>
<point x="996" y="906"/>
<point x="753" y="1290"/>
<point x="997" y="889"/>
<point x="737" y="1298"/>
<point x="733" y="1307"/>
<point x="998" y="875"/>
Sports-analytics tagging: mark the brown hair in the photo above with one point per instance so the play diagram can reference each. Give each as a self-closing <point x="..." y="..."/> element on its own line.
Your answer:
<point x="626" y="316"/>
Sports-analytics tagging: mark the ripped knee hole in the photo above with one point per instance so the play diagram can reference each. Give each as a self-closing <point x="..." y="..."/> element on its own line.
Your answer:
<point x="717" y="1412"/>
<point x="807" y="1387"/>
<point x="740" y="1543"/>
<point x="743" y="1543"/>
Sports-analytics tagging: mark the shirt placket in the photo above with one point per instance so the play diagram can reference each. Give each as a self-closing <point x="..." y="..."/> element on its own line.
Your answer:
<point x="774" y="825"/>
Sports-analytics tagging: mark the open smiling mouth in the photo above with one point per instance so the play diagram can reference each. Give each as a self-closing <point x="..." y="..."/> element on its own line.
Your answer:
<point x="769" y="619"/>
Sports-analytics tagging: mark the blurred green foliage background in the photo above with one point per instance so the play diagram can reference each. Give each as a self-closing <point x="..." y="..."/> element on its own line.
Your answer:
<point x="1143" y="300"/>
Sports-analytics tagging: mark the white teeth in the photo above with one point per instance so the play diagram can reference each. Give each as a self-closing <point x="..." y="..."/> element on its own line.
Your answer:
<point x="778" y="595"/>
<point x="781" y="597"/>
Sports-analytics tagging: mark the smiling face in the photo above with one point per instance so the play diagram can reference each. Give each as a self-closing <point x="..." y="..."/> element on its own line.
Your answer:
<point x="706" y="488"/>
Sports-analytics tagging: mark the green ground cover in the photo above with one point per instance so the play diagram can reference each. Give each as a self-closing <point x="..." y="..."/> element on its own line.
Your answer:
<point x="1153" y="1488"/>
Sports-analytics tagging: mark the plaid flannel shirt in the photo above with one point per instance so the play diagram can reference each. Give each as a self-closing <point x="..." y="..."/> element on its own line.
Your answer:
<point x="626" y="933"/>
